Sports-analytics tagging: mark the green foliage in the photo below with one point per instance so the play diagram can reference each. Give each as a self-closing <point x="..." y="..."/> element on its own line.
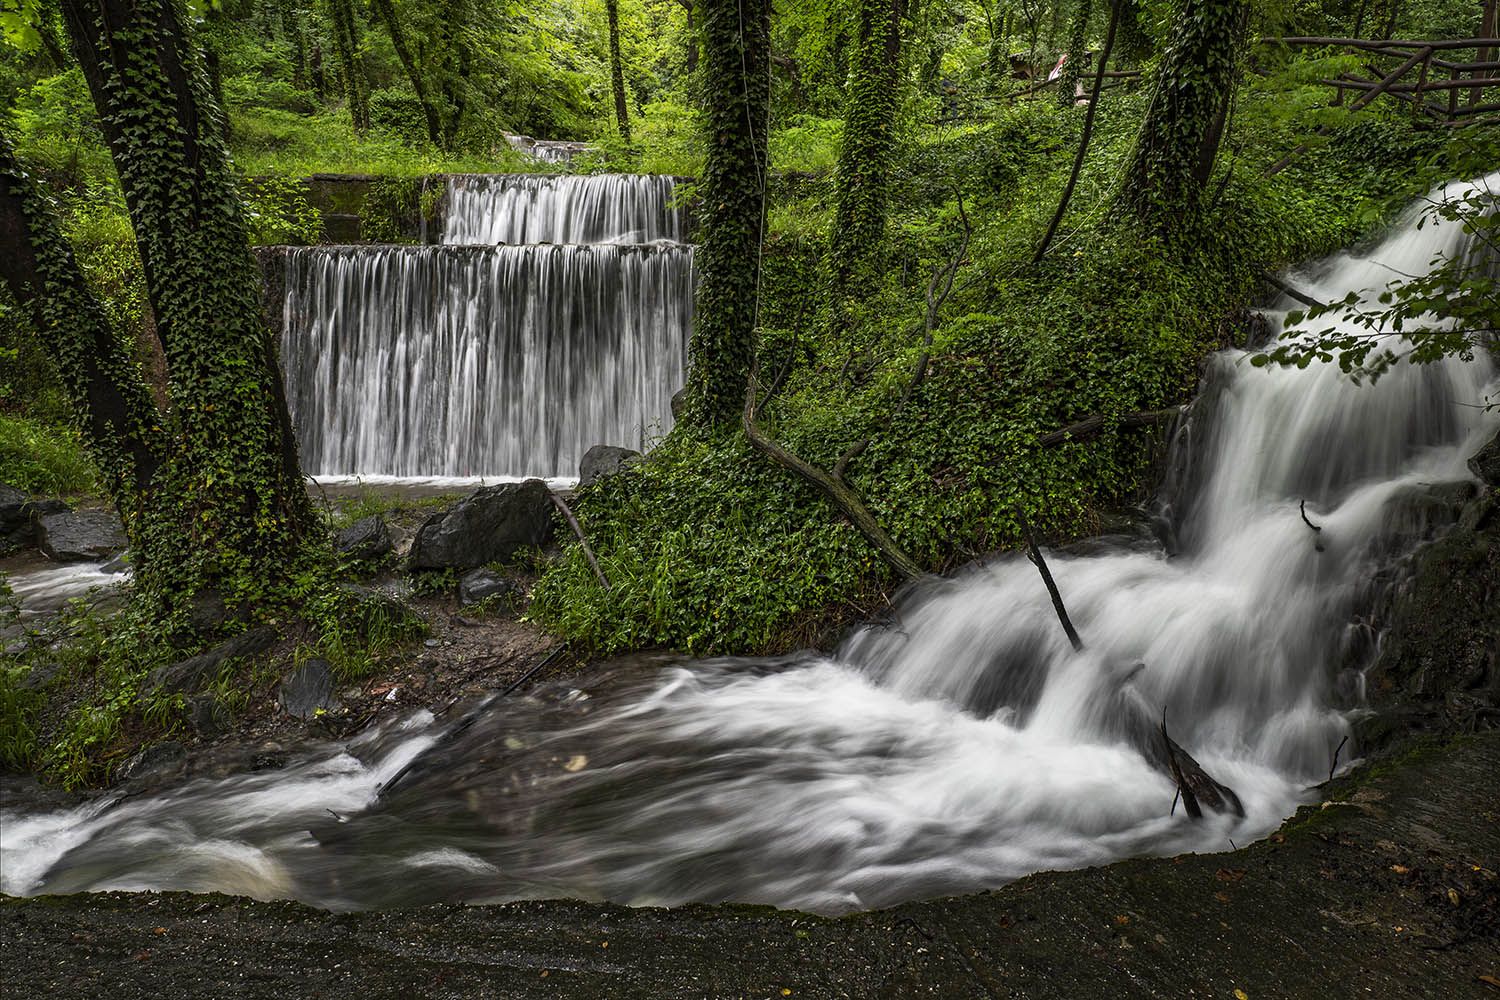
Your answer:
<point x="43" y="459"/>
<point x="277" y="212"/>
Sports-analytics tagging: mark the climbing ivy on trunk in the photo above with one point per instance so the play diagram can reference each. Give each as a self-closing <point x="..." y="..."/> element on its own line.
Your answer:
<point x="1179" y="138"/>
<point x="226" y="510"/>
<point x="864" y="167"/>
<point x="110" y="401"/>
<point x="736" y="64"/>
<point x="1067" y="84"/>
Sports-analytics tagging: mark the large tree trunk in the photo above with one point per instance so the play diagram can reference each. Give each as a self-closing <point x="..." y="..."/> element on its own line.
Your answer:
<point x="1487" y="28"/>
<point x="229" y="509"/>
<point x="617" y="70"/>
<point x="386" y="9"/>
<point x="1179" y="139"/>
<point x="864" y="166"/>
<point x="736" y="103"/>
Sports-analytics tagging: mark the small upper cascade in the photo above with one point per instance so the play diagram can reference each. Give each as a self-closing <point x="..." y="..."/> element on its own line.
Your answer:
<point x="546" y="208"/>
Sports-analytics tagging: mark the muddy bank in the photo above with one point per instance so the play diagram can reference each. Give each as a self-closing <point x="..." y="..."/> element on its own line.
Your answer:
<point x="1387" y="888"/>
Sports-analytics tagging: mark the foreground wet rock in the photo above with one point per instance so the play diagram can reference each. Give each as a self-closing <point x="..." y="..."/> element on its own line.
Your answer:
<point x="1380" y="889"/>
<point x="605" y="460"/>
<point x="366" y="540"/>
<point x="80" y="535"/>
<point x="18" y="516"/>
<point x="491" y="524"/>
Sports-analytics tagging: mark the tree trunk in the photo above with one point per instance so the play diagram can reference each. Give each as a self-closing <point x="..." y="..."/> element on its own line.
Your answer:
<point x="736" y="104"/>
<point x="346" y="41"/>
<point x="1067" y="85"/>
<point x="864" y="166"/>
<point x="291" y="27"/>
<point x="386" y="10"/>
<point x="692" y="37"/>
<point x="110" y="401"/>
<point x="229" y="509"/>
<point x="617" y="70"/>
<point x="1179" y="139"/>
<point x="1487" y="28"/>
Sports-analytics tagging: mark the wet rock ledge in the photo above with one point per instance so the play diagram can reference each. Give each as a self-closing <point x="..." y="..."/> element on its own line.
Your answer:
<point x="1386" y="888"/>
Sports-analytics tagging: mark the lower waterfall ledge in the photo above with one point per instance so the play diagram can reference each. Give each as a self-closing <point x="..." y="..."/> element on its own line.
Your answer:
<point x="1381" y="889"/>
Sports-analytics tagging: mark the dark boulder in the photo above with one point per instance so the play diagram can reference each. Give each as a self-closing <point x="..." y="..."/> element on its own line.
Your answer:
<point x="1486" y="464"/>
<point x="1439" y="662"/>
<point x="605" y="460"/>
<point x="494" y="523"/>
<point x="161" y="760"/>
<point x="366" y="540"/>
<point x="80" y="535"/>
<point x="475" y="585"/>
<point x="679" y="403"/>
<point x="18" y="515"/>
<point x="193" y="672"/>
<point x="307" y="690"/>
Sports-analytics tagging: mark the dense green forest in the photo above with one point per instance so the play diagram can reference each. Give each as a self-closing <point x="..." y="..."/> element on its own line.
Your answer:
<point x="941" y="297"/>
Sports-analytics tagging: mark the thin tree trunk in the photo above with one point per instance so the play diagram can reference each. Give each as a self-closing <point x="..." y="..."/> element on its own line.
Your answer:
<point x="392" y="21"/>
<point x="1088" y="132"/>
<point x="617" y="70"/>
<point x="1067" y="85"/>
<point x="346" y="41"/>
<point x="1487" y="28"/>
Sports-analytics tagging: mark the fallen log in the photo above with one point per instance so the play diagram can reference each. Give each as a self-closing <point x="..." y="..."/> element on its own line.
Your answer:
<point x="1091" y="426"/>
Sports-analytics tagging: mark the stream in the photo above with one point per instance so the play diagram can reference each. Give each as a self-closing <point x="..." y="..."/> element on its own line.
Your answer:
<point x="961" y="745"/>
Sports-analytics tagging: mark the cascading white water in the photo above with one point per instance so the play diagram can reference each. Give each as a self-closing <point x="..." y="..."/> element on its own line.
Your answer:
<point x="476" y="360"/>
<point x="481" y="361"/>
<point x="564" y="208"/>
<point x="965" y="747"/>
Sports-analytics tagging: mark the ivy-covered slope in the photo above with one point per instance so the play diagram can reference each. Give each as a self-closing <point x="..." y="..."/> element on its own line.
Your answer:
<point x="711" y="549"/>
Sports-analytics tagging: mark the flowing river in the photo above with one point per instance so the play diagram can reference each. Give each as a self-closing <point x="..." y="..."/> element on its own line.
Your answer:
<point x="959" y="747"/>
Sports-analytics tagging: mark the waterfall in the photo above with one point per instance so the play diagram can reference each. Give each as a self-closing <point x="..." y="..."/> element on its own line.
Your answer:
<point x="541" y="208"/>
<point x="474" y="359"/>
<point x="963" y="746"/>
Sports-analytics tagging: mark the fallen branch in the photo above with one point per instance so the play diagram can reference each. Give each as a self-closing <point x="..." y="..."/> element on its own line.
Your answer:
<point x="1336" y="750"/>
<point x="1091" y="426"/>
<point x="1292" y="291"/>
<point x="588" y="553"/>
<point x="1317" y="528"/>
<point x="1035" y="555"/>
<point x="844" y="499"/>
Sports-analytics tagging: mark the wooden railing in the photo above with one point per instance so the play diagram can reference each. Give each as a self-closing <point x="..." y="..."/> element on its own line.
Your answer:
<point x="1434" y="75"/>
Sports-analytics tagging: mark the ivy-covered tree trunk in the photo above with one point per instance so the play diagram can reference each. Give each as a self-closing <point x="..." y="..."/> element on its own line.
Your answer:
<point x="864" y="167"/>
<point x="1067" y="84"/>
<point x="386" y="9"/>
<point x="617" y="70"/>
<point x="346" y="41"/>
<point x="228" y="508"/>
<point x="110" y="401"/>
<point x="1179" y="138"/>
<point x="736" y="102"/>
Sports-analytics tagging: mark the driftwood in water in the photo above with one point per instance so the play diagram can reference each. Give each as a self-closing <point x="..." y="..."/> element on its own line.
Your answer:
<point x="1196" y="786"/>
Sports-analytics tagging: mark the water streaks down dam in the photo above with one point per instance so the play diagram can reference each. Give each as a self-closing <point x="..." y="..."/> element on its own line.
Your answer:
<point x="553" y="316"/>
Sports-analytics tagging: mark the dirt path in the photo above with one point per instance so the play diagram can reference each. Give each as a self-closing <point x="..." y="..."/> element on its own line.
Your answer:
<point x="1387" y="890"/>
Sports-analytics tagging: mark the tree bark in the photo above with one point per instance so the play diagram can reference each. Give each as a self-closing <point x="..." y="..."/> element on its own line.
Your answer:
<point x="231" y="508"/>
<point x="107" y="394"/>
<point x="864" y="166"/>
<point x="1088" y="133"/>
<point x="1179" y="139"/>
<point x="1487" y="28"/>
<point x="1067" y="86"/>
<point x="346" y="42"/>
<point x="736" y="104"/>
<point x="617" y="70"/>
<point x="386" y="10"/>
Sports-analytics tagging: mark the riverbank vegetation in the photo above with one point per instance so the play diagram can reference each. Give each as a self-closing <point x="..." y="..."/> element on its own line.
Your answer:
<point x="942" y="296"/>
